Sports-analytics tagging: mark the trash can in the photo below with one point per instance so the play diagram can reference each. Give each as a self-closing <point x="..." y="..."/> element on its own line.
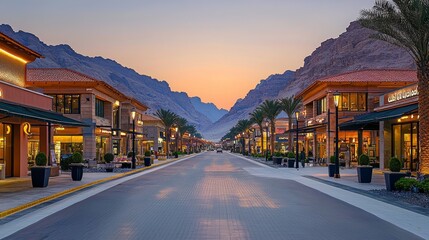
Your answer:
<point x="2" y="171"/>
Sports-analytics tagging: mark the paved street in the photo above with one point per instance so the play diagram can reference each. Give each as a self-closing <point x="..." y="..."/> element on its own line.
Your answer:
<point x="211" y="196"/>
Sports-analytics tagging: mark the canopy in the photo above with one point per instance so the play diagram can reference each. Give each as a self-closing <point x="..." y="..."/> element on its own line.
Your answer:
<point x="369" y="121"/>
<point x="13" y="109"/>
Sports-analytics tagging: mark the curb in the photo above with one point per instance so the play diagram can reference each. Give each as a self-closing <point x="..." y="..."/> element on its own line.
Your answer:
<point x="25" y="206"/>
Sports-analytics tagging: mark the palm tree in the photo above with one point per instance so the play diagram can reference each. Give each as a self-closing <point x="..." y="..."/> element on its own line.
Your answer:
<point x="405" y="23"/>
<point x="271" y="109"/>
<point x="290" y="105"/>
<point x="257" y="116"/>
<point x="168" y="118"/>
<point x="181" y="124"/>
<point x="243" y="126"/>
<point x="192" y="130"/>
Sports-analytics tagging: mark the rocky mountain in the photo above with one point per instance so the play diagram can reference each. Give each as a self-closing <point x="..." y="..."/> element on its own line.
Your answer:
<point x="266" y="89"/>
<point x="208" y="109"/>
<point x="154" y="93"/>
<point x="352" y="50"/>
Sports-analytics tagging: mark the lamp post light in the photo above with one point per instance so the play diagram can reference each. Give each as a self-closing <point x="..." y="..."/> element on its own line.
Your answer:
<point x="297" y="143"/>
<point x="243" y="145"/>
<point x="133" y="159"/>
<point x="337" y="161"/>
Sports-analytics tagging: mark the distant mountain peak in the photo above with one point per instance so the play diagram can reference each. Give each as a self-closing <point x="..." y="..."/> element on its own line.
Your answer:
<point x="156" y="94"/>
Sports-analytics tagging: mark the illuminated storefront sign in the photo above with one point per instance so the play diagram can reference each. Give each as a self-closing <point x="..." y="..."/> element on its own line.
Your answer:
<point x="26" y="127"/>
<point x="403" y="94"/>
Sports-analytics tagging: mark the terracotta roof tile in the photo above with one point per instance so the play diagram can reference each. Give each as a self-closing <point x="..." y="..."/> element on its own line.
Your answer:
<point x="56" y="74"/>
<point x="384" y="75"/>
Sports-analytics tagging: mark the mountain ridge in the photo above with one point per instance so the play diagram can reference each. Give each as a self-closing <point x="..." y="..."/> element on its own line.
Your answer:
<point x="352" y="50"/>
<point x="152" y="92"/>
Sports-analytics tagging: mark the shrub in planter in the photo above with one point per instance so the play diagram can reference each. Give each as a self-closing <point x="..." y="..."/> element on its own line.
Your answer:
<point x="406" y="184"/>
<point x="147" y="161"/>
<point x="108" y="158"/>
<point x="76" y="166"/>
<point x="290" y="155"/>
<point x="277" y="158"/>
<point x="394" y="175"/>
<point x="40" y="173"/>
<point x="364" y="170"/>
<point x="331" y="166"/>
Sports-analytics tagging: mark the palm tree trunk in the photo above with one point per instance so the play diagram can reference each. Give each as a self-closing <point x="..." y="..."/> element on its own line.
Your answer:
<point x="262" y="139"/>
<point x="273" y="130"/>
<point x="290" y="135"/>
<point x="423" y="87"/>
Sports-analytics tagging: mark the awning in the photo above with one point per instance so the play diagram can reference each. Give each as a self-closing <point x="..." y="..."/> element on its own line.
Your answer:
<point x="370" y="120"/>
<point x="16" y="110"/>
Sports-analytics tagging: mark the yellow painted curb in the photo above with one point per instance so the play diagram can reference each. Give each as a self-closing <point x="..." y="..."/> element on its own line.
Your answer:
<point x="25" y="206"/>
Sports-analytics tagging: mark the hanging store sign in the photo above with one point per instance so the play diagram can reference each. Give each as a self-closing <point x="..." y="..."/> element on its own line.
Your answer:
<point x="403" y="94"/>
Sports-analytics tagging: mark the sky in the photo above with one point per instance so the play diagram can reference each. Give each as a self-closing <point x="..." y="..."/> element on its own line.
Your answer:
<point x="217" y="50"/>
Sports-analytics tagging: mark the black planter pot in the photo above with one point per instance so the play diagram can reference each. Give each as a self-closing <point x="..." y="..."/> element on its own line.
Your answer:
<point x="109" y="169"/>
<point x="40" y="176"/>
<point x="364" y="174"/>
<point x="147" y="162"/>
<point x="76" y="171"/>
<point x="331" y="168"/>
<point x="277" y="160"/>
<point x="176" y="155"/>
<point x="391" y="177"/>
<point x="290" y="163"/>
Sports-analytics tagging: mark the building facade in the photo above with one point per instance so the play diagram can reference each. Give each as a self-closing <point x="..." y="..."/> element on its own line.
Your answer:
<point x="104" y="110"/>
<point x="359" y="94"/>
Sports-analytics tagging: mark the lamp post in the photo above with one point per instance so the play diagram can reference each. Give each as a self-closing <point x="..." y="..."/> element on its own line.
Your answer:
<point x="337" y="161"/>
<point x="133" y="159"/>
<point x="243" y="145"/>
<point x="297" y="143"/>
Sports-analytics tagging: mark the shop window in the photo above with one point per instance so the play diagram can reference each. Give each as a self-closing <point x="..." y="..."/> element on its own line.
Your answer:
<point x="353" y="102"/>
<point x="67" y="104"/>
<point x="405" y="144"/>
<point x="99" y="108"/>
<point x="321" y="106"/>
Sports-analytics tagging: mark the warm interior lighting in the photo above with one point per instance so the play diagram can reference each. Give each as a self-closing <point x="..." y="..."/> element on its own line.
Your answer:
<point x="404" y="117"/>
<point x="412" y="115"/>
<point x="13" y="56"/>
<point x="336" y="98"/>
<point x="133" y="113"/>
<point x="399" y="120"/>
<point x="116" y="103"/>
<point x="60" y="128"/>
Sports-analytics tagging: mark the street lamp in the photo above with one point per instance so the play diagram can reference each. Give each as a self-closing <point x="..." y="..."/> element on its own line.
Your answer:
<point x="243" y="146"/>
<point x="133" y="160"/>
<point x="297" y="143"/>
<point x="337" y="161"/>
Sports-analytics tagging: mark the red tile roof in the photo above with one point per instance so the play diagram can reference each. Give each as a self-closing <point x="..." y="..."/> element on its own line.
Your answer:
<point x="57" y="75"/>
<point x="374" y="75"/>
<point x="367" y="76"/>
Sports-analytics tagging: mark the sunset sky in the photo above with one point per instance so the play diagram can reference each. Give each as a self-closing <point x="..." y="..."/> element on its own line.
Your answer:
<point x="217" y="50"/>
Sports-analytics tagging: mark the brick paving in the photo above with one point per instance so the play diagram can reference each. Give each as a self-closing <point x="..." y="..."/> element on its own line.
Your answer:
<point x="211" y="196"/>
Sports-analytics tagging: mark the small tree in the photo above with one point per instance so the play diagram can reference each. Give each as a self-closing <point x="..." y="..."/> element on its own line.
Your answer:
<point x="363" y="160"/>
<point x="76" y="157"/>
<point x="109" y="157"/>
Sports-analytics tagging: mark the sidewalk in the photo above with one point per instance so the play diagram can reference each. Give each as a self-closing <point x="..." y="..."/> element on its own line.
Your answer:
<point x="348" y="175"/>
<point x="17" y="194"/>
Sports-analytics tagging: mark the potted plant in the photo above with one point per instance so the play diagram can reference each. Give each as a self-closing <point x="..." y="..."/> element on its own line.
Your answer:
<point x="40" y="173"/>
<point x="147" y="160"/>
<point x="76" y="166"/>
<point x="176" y="154"/>
<point x="394" y="175"/>
<point x="290" y="160"/>
<point x="364" y="170"/>
<point x="108" y="158"/>
<point x="331" y="166"/>
<point x="277" y="158"/>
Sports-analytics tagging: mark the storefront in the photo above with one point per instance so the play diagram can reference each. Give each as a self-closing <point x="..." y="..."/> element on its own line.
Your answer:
<point x="26" y="119"/>
<point x="358" y="93"/>
<point x="397" y="124"/>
